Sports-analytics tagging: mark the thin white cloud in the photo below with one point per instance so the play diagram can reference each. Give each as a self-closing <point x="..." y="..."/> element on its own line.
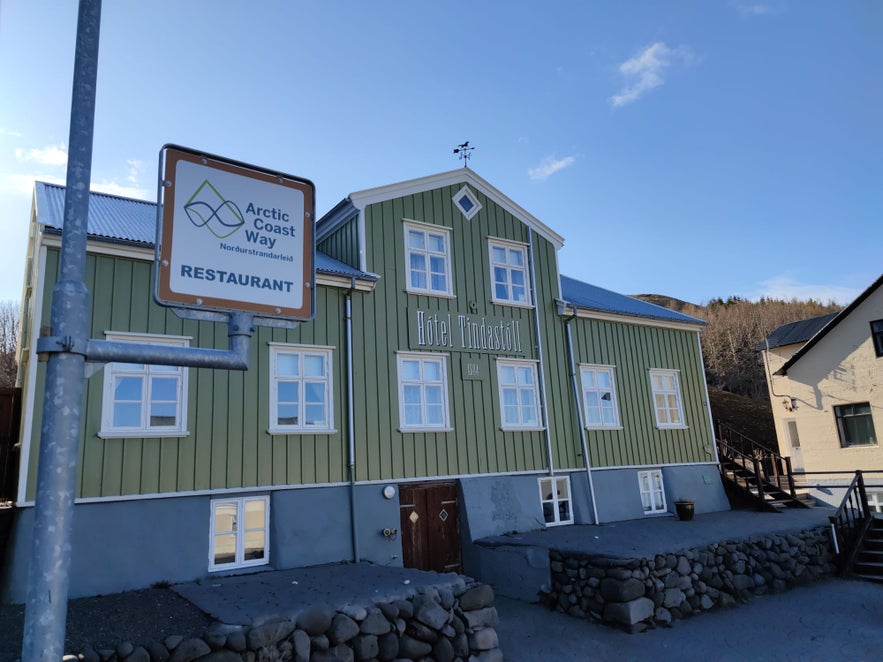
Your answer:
<point x="787" y="288"/>
<point x="549" y="166"/>
<point x="51" y="155"/>
<point x="759" y="7"/>
<point x="645" y="71"/>
<point x="8" y="132"/>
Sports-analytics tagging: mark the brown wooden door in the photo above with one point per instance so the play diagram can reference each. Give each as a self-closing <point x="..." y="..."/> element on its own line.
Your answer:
<point x="430" y="527"/>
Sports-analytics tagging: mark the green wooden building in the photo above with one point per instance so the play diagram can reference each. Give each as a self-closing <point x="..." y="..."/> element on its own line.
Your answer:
<point x="453" y="385"/>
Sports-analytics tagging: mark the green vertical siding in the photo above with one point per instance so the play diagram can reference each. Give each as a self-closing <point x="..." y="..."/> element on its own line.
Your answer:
<point x="343" y="243"/>
<point x="634" y="350"/>
<point x="228" y="444"/>
<point x="476" y="444"/>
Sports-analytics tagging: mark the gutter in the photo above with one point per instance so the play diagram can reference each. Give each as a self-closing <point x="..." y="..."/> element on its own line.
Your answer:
<point x="579" y="409"/>
<point x="351" y="426"/>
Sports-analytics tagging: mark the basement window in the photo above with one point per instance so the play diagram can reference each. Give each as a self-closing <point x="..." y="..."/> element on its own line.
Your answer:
<point x="239" y="533"/>
<point x="555" y="499"/>
<point x="652" y="491"/>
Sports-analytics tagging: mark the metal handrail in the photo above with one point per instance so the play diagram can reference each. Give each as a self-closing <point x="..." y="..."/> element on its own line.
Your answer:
<point x="760" y="457"/>
<point x="850" y="522"/>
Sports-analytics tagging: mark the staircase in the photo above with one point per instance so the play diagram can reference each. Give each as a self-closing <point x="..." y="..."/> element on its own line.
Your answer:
<point x="756" y="473"/>
<point x="869" y="559"/>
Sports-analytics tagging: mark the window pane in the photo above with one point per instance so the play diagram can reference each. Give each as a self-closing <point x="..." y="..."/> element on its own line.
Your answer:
<point x="500" y="275"/>
<point x="500" y="291"/>
<point x="510" y="397"/>
<point x="164" y="388"/>
<point x="507" y="374"/>
<point x="604" y="379"/>
<point x="288" y="392"/>
<point x="225" y="517"/>
<point x="163" y="414"/>
<point x="517" y="278"/>
<point x="433" y="395"/>
<point x="465" y="203"/>
<point x="519" y="294"/>
<point x="315" y="415"/>
<point x="254" y="545"/>
<point x="412" y="394"/>
<point x="439" y="283"/>
<point x="314" y="365"/>
<point x="411" y="370"/>
<point x="437" y="243"/>
<point x="434" y="415"/>
<point x="127" y="415"/>
<point x="432" y="371"/>
<point x="287" y="365"/>
<point x="525" y="376"/>
<point x="128" y="388"/>
<point x="499" y="254"/>
<point x="225" y="549"/>
<point x="314" y="392"/>
<point x="287" y="415"/>
<point x="254" y="513"/>
<point x="416" y="240"/>
<point x="413" y="415"/>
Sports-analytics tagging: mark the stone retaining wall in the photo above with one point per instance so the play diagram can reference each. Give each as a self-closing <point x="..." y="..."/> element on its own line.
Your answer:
<point x="637" y="594"/>
<point x="437" y="623"/>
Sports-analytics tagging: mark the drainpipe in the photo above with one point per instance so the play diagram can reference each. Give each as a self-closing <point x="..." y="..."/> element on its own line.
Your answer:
<point x="542" y="372"/>
<point x="351" y="426"/>
<point x="707" y="399"/>
<point x="579" y="411"/>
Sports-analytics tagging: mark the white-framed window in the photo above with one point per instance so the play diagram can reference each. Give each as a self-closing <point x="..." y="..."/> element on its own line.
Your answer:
<point x="141" y="400"/>
<point x="428" y="259"/>
<point x="599" y="396"/>
<point x="423" y="392"/>
<point x="519" y="394"/>
<point x="240" y="533"/>
<point x="301" y="389"/>
<point x="667" y="404"/>
<point x="509" y="280"/>
<point x="555" y="499"/>
<point x="466" y="202"/>
<point x="652" y="491"/>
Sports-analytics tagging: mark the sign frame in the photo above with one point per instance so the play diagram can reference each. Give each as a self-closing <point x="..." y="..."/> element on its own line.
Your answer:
<point x="169" y="258"/>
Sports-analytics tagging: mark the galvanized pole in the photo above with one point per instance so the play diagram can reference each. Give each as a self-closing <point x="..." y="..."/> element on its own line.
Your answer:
<point x="48" y="575"/>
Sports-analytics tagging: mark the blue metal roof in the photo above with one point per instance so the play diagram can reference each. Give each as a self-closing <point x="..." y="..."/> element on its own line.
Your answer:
<point x="115" y="219"/>
<point x="591" y="297"/>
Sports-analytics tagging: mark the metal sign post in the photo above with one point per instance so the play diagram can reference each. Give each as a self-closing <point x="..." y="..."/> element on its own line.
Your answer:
<point x="264" y="275"/>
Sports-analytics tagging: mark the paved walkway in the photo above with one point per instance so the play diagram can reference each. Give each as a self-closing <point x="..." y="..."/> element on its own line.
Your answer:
<point x="644" y="538"/>
<point x="834" y="619"/>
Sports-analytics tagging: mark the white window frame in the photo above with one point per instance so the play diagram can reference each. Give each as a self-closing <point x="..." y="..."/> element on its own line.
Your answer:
<point x="508" y="246"/>
<point x="423" y="358"/>
<point x="476" y="205"/>
<point x="519" y="388"/>
<point x="327" y="353"/>
<point x="114" y="371"/>
<point x="240" y="561"/>
<point x="555" y="499"/>
<point x="655" y="501"/>
<point x="595" y="370"/>
<point x="426" y="229"/>
<point x="665" y="422"/>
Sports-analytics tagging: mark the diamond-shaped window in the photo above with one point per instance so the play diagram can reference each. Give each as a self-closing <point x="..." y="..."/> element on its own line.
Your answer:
<point x="443" y="515"/>
<point x="467" y="202"/>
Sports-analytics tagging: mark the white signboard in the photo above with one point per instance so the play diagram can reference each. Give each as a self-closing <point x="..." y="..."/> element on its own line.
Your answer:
<point x="235" y="237"/>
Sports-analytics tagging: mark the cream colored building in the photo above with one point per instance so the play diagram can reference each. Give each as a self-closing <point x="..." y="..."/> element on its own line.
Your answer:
<point x="825" y="377"/>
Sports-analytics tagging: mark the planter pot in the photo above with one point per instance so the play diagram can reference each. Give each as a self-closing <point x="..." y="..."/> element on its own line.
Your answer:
<point x="685" y="510"/>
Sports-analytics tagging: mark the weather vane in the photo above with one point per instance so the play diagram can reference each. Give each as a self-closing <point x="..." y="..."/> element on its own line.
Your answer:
<point x="464" y="151"/>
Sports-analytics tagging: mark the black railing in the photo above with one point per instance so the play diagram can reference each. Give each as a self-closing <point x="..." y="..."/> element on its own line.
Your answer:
<point x="768" y="467"/>
<point x="851" y="522"/>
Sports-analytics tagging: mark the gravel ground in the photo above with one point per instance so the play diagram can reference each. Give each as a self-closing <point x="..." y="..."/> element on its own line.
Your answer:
<point x="105" y="621"/>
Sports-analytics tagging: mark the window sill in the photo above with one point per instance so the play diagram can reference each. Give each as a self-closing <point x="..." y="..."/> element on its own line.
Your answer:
<point x="512" y="304"/>
<point x="520" y="429"/>
<point x="417" y="430"/>
<point x="604" y="427"/>
<point x="143" y="434"/>
<point x="431" y="293"/>
<point x="672" y="427"/>
<point x="282" y="432"/>
<point x="227" y="567"/>
<point x="568" y="522"/>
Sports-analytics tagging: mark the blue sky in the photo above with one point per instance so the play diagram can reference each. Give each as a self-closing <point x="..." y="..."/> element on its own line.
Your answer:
<point x="693" y="148"/>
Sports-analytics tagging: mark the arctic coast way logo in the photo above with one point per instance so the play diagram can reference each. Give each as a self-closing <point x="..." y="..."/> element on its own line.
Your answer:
<point x="209" y="209"/>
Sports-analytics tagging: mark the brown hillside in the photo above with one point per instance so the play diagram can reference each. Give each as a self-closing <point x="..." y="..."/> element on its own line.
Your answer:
<point x="745" y="415"/>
